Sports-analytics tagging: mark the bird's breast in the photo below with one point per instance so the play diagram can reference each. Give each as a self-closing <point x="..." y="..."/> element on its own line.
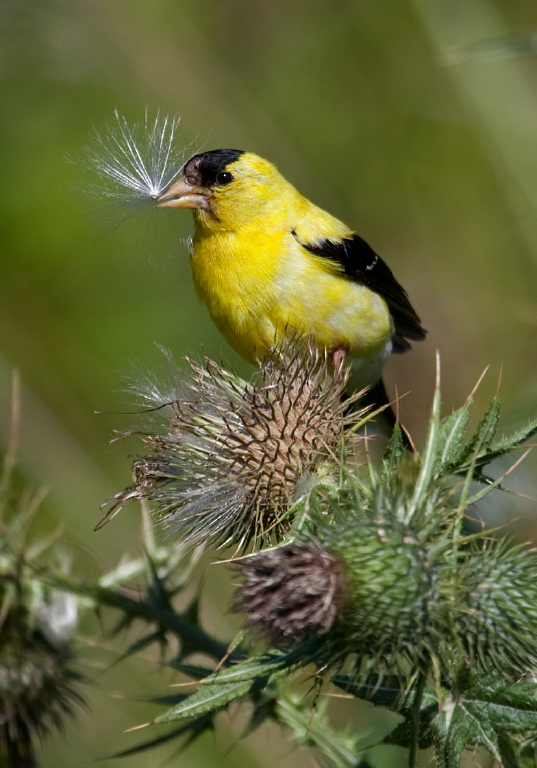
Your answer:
<point x="260" y="288"/>
<point x="234" y="276"/>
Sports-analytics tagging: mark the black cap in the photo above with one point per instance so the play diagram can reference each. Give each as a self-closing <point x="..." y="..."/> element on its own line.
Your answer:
<point x="207" y="165"/>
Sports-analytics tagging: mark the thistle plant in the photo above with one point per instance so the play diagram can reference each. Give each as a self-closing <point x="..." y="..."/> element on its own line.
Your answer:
<point x="374" y="581"/>
<point x="39" y="676"/>
<point x="360" y="574"/>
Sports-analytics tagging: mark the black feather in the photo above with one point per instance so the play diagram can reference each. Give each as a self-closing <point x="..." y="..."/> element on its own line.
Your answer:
<point x="360" y="263"/>
<point x="206" y="166"/>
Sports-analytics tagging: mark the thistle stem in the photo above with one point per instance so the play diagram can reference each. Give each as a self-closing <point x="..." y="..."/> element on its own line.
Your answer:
<point x="415" y="722"/>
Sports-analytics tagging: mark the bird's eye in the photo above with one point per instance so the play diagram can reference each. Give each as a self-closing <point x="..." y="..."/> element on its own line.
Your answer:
<point x="223" y="178"/>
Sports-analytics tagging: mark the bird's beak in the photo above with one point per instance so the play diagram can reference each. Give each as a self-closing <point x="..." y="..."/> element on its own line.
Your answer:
<point x="181" y="194"/>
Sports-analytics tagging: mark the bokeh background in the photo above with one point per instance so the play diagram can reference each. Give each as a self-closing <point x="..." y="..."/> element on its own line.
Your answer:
<point x="415" y="121"/>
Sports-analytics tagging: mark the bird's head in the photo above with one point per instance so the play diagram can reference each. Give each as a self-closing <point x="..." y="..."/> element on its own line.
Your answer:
<point x="228" y="189"/>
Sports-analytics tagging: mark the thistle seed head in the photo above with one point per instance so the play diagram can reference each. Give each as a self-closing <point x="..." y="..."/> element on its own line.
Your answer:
<point x="237" y="455"/>
<point x="38" y="680"/>
<point x="291" y="592"/>
<point x="37" y="689"/>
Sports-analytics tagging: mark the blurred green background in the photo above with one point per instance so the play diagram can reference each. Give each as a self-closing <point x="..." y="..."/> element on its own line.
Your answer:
<point x="414" y="121"/>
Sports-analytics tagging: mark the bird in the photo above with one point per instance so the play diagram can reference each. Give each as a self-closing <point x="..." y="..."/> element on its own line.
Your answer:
<point x="270" y="265"/>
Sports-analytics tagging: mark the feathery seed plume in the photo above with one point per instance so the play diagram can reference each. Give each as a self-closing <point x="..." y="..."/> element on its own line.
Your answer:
<point x="135" y="163"/>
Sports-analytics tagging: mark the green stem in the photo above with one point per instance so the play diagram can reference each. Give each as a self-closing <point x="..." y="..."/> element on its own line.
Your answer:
<point x="162" y="616"/>
<point x="415" y="722"/>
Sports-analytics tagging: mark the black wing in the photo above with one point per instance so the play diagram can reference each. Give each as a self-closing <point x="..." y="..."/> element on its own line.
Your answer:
<point x="360" y="263"/>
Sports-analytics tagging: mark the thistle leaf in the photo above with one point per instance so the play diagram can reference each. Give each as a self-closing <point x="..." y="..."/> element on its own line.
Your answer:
<point x="395" y="450"/>
<point x="450" y="438"/>
<point x="480" y="442"/>
<point x="223" y="687"/>
<point x="482" y="715"/>
<point x="508" y="443"/>
<point x="209" y="698"/>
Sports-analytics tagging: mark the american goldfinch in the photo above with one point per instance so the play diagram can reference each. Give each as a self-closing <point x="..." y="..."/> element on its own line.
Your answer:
<point x="270" y="265"/>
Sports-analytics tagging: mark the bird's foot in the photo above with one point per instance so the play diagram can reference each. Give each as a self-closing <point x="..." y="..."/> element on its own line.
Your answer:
<point x="338" y="358"/>
<point x="338" y="361"/>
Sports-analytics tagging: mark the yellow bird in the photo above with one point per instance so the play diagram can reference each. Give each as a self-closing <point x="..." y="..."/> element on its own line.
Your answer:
<point x="269" y="265"/>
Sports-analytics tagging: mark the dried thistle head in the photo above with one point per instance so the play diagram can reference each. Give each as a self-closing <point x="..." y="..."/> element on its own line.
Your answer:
<point x="38" y="680"/>
<point x="237" y="455"/>
<point x="38" y="676"/>
<point x="291" y="592"/>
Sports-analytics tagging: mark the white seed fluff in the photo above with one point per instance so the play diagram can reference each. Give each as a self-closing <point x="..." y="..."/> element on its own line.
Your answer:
<point x="135" y="163"/>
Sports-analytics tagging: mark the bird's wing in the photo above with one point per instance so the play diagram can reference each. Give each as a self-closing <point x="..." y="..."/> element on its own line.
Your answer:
<point x="359" y="262"/>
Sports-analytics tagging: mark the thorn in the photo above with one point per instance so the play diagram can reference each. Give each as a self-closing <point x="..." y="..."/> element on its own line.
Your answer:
<point x="517" y="462"/>
<point x="476" y="386"/>
<point x="409" y="438"/>
<point x="138" y="727"/>
<point x="437" y="380"/>
<point x="499" y="380"/>
<point x="188" y="684"/>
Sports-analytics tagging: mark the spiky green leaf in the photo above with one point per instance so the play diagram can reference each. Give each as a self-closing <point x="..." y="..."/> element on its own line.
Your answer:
<point x="207" y="699"/>
<point x="481" y="716"/>
<point x="243" y="679"/>
<point x="395" y="450"/>
<point x="507" y="443"/>
<point x="454" y="453"/>
<point x="450" y="438"/>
